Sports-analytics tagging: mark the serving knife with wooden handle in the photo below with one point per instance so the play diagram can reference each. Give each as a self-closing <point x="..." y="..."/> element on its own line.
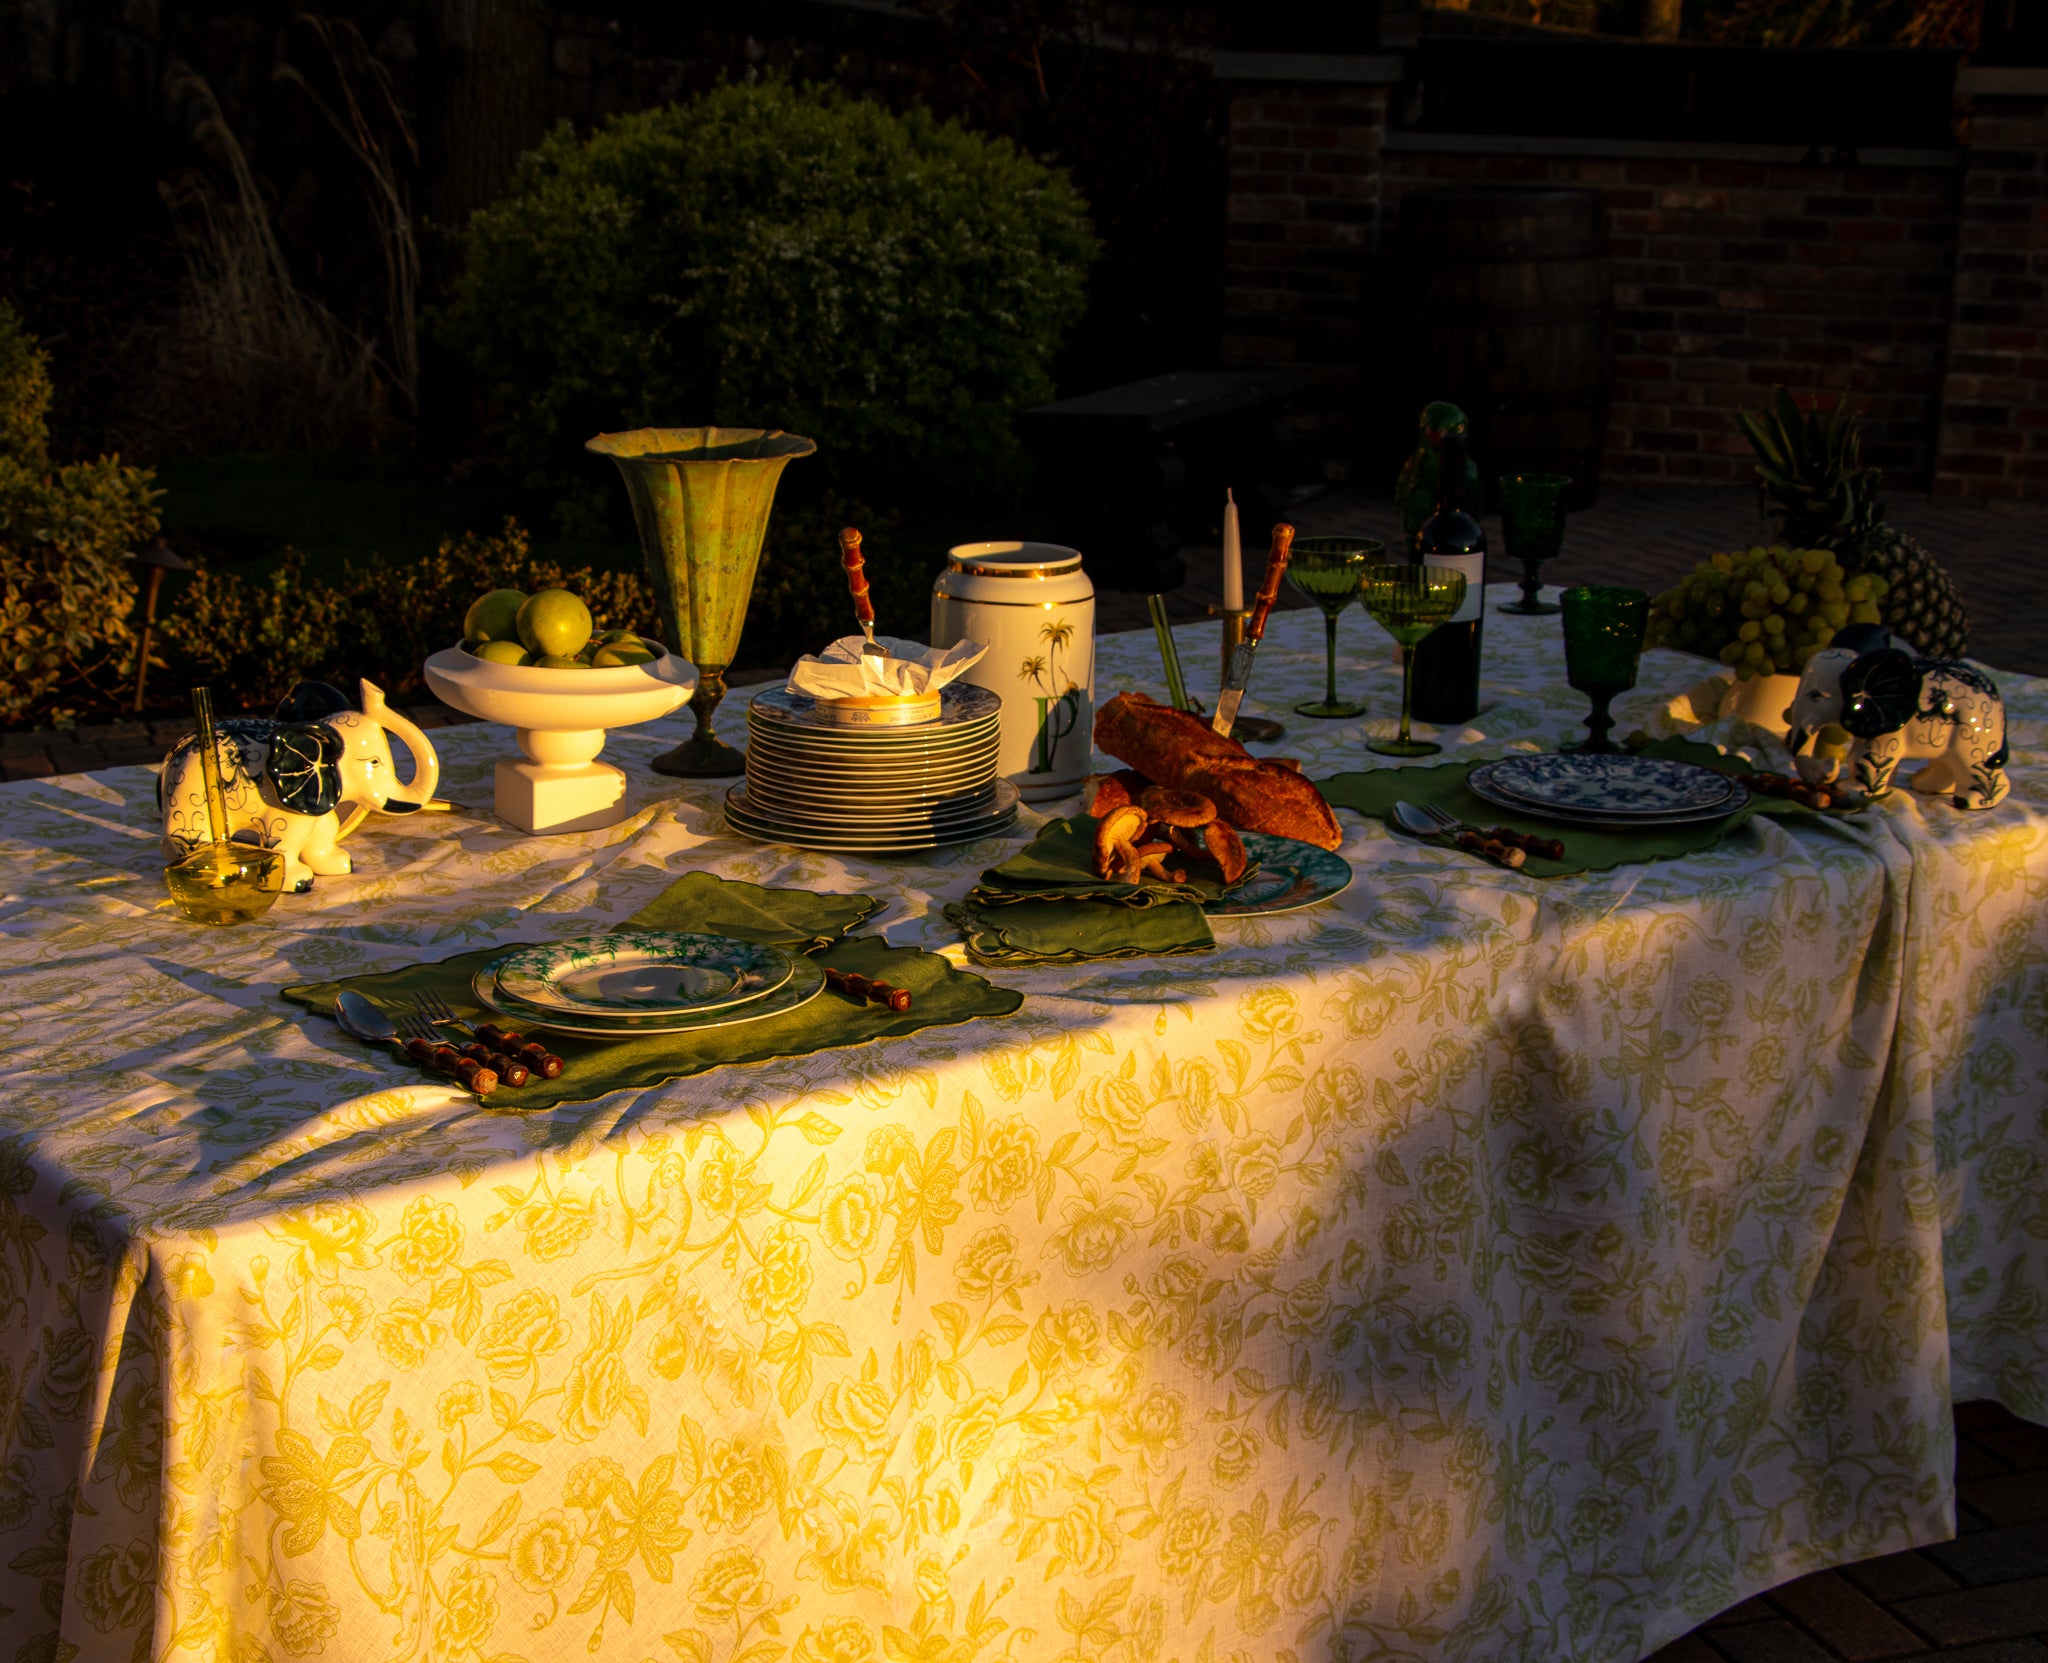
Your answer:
<point x="1240" y="673"/>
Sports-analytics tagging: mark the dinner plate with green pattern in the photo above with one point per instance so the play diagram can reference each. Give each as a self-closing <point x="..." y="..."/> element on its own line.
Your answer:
<point x="806" y="982"/>
<point x="641" y="973"/>
<point x="1291" y="875"/>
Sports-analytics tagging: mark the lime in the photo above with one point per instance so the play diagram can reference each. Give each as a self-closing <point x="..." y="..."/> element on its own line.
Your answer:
<point x="500" y="652"/>
<point x="612" y="635"/>
<point x="495" y="617"/>
<point x="622" y="652"/>
<point x="557" y="661"/>
<point x="554" y="622"/>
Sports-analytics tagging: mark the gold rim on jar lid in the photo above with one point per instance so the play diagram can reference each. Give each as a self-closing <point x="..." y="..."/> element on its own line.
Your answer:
<point x="1006" y="559"/>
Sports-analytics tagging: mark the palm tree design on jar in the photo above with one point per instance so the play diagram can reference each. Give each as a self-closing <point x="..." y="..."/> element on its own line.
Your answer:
<point x="1058" y="707"/>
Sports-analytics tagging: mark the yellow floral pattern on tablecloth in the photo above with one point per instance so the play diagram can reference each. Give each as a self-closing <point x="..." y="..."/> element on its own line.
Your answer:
<point x="1471" y="1268"/>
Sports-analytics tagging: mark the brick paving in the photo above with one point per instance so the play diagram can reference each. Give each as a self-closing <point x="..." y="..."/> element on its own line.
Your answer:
<point x="1982" y="1598"/>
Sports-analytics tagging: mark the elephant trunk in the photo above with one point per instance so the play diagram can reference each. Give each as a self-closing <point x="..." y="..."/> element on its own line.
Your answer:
<point x="426" y="766"/>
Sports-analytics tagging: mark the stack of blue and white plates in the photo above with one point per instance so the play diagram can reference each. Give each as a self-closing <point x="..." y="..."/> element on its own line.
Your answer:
<point x="1621" y="793"/>
<point x="817" y="784"/>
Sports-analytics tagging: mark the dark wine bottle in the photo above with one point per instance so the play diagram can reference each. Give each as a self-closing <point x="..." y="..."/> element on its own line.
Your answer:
<point x="1447" y="662"/>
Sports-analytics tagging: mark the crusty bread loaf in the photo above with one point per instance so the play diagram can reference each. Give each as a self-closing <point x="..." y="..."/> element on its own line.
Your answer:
<point x="1174" y="748"/>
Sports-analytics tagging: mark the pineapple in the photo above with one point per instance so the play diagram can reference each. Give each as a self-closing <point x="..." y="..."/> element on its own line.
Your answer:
<point x="1822" y="497"/>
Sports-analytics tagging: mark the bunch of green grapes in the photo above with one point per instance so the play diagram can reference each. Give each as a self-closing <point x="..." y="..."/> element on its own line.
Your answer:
<point x="1764" y="612"/>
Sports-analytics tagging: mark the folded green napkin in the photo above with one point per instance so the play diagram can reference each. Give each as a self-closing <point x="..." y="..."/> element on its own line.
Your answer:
<point x="1074" y="932"/>
<point x="711" y="905"/>
<point x="1587" y="848"/>
<point x="1045" y="905"/>
<point x="1059" y="864"/>
<point x="941" y="995"/>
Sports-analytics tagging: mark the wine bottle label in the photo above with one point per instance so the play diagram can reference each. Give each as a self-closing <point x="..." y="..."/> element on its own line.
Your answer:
<point x="1474" y="568"/>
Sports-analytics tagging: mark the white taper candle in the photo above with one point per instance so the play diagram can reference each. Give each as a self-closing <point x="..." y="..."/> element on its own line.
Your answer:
<point x="1233" y="557"/>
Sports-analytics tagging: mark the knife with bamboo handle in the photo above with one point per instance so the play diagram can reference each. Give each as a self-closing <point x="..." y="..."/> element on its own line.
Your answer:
<point x="1240" y="674"/>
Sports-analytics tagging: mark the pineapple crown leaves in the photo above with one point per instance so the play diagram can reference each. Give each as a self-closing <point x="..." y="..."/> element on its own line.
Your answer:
<point x="1810" y="472"/>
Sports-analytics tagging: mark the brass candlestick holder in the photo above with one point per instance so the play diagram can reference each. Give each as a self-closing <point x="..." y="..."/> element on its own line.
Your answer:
<point x="1251" y="729"/>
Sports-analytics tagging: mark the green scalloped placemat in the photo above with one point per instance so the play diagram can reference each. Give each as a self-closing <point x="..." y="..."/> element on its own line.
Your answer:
<point x="941" y="996"/>
<point x="800" y="919"/>
<point x="1374" y="791"/>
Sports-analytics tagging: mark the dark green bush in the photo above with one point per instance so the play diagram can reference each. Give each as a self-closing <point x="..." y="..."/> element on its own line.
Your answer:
<point x="891" y="286"/>
<point x="66" y="587"/>
<point x="251" y="636"/>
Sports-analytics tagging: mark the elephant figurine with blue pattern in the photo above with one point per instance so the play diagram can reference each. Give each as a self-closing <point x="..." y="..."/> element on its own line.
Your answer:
<point x="1892" y="706"/>
<point x="287" y="779"/>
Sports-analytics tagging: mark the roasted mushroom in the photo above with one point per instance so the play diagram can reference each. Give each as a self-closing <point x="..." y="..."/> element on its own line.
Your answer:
<point x="1177" y="808"/>
<point x="1117" y="836"/>
<point x="1152" y="858"/>
<point x="1225" y="848"/>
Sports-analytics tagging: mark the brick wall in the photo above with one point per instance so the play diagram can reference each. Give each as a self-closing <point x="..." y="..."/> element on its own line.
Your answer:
<point x="1994" y="418"/>
<point x="1735" y="277"/>
<point x="1304" y="180"/>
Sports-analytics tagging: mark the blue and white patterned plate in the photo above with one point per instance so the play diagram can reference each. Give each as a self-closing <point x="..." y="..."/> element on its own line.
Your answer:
<point x="1291" y="875"/>
<point x="640" y="973"/>
<point x="1481" y="786"/>
<point x="1634" y="785"/>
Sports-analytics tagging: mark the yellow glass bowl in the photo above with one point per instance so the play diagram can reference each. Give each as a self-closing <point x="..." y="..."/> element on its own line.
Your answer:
<point x="226" y="883"/>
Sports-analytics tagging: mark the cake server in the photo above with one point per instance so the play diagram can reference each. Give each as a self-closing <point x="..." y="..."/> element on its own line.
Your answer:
<point x="857" y="583"/>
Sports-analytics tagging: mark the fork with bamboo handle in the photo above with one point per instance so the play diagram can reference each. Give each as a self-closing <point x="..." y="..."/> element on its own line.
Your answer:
<point x="857" y="584"/>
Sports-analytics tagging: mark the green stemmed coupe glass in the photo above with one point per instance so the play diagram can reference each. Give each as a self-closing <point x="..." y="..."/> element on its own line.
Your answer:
<point x="1603" y="643"/>
<point x="1410" y="602"/>
<point x="1328" y="570"/>
<point x="1532" y="531"/>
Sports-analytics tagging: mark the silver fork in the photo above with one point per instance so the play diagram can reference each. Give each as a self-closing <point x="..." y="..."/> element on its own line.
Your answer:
<point x="1426" y="820"/>
<point x="416" y="1026"/>
<point x="435" y="1010"/>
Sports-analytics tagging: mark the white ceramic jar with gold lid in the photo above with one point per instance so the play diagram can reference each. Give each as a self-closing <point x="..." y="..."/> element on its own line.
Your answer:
<point x="1033" y="607"/>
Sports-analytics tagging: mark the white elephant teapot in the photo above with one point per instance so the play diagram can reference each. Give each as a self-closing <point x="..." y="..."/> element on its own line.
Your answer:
<point x="287" y="779"/>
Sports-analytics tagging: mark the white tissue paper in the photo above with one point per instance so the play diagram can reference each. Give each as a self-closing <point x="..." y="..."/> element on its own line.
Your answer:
<point x="843" y="671"/>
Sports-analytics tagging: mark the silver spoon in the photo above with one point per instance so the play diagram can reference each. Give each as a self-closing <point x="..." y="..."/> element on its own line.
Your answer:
<point x="1419" y="824"/>
<point x="363" y="1020"/>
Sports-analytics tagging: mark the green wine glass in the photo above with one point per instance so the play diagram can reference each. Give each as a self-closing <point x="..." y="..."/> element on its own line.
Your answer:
<point x="1410" y="602"/>
<point x="1328" y="570"/>
<point x="1532" y="531"/>
<point x="1603" y="643"/>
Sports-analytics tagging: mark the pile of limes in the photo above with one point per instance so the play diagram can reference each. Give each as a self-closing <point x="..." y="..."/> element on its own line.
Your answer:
<point x="552" y="630"/>
<point x="1764" y="612"/>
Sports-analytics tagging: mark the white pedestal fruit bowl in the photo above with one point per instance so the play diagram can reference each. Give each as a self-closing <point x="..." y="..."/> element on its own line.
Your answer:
<point x="559" y="718"/>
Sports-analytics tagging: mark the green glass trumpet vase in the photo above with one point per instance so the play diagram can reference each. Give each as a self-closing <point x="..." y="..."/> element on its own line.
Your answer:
<point x="701" y="498"/>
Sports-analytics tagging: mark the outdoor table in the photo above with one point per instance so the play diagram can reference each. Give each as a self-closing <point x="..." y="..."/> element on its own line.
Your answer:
<point x="1472" y="1267"/>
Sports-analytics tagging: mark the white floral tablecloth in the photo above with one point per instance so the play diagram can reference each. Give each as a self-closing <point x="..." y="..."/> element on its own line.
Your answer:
<point x="1470" y="1268"/>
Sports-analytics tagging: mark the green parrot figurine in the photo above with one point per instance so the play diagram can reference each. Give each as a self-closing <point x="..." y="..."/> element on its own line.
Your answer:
<point x="1415" y="491"/>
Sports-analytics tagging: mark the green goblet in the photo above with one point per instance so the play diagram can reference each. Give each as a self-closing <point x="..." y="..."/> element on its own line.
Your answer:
<point x="1410" y="602"/>
<point x="1328" y="570"/>
<point x="701" y="497"/>
<point x="1603" y="643"/>
<point x="1531" y="531"/>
